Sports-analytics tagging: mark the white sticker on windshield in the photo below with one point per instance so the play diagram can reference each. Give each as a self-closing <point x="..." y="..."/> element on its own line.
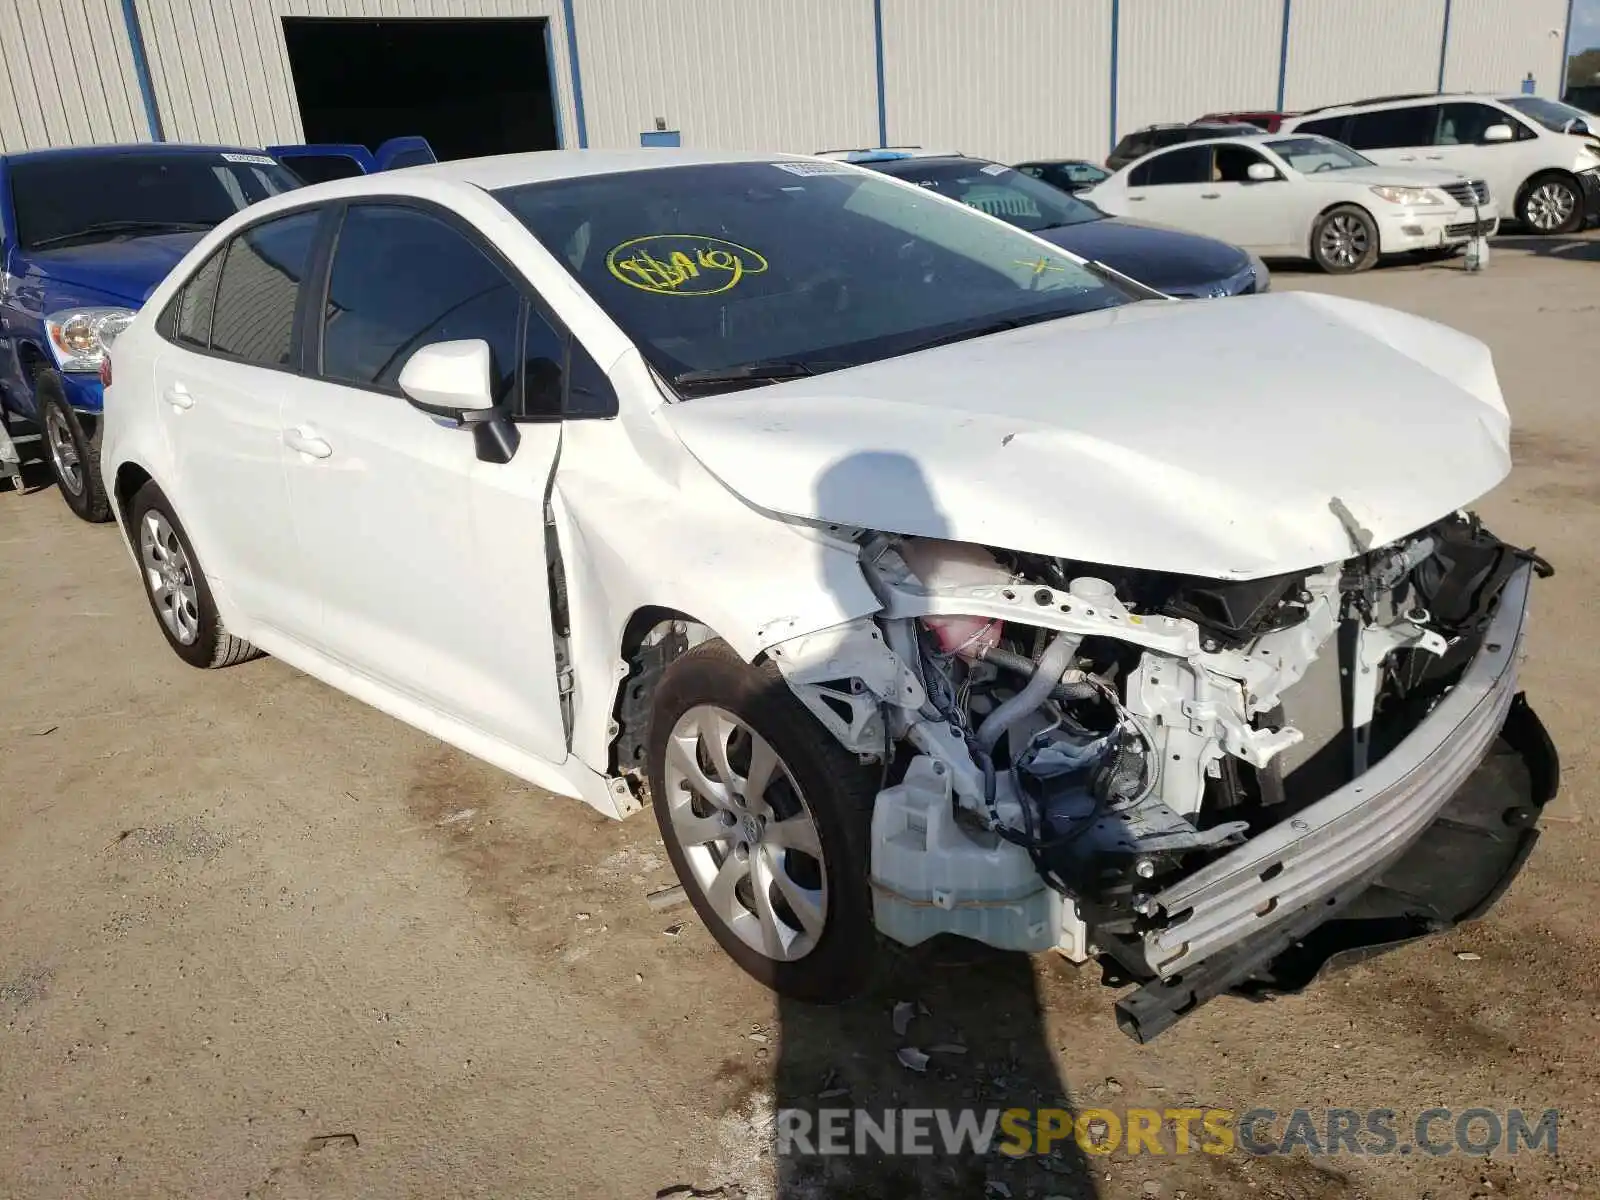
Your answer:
<point x="814" y="168"/>
<point x="261" y="160"/>
<point x="994" y="169"/>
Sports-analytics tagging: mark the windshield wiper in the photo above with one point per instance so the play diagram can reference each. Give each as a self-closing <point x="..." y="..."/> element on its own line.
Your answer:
<point x="746" y="373"/>
<point x="112" y="228"/>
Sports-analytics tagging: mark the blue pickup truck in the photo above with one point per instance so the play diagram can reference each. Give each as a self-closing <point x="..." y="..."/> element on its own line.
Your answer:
<point x="86" y="234"/>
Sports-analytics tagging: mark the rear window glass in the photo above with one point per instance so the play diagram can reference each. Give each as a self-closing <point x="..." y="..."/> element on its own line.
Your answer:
<point x="191" y="322"/>
<point x="77" y="199"/>
<point x="260" y="285"/>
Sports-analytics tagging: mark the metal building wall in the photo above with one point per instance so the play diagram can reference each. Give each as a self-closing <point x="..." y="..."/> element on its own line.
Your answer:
<point x="1180" y="59"/>
<point x="1344" y="50"/>
<point x="730" y="74"/>
<point x="221" y="71"/>
<point x="1007" y="79"/>
<point x="66" y="75"/>
<point x="1494" y="45"/>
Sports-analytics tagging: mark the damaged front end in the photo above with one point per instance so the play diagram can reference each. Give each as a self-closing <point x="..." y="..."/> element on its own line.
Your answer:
<point x="1213" y="785"/>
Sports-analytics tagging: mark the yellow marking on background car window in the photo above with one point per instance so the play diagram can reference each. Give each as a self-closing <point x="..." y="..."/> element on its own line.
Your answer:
<point x="1042" y="265"/>
<point x="683" y="264"/>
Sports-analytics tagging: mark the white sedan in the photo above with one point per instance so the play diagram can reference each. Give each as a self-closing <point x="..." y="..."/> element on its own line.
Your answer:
<point x="891" y="554"/>
<point x="1301" y="196"/>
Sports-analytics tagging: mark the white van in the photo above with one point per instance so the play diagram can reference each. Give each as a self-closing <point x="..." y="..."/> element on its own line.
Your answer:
<point x="1540" y="158"/>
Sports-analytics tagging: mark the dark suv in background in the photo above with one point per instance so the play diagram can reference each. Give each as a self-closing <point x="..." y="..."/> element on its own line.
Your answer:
<point x="1158" y="137"/>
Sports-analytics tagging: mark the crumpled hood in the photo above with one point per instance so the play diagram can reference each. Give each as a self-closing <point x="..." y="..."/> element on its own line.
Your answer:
<point x="1233" y="438"/>
<point x="124" y="268"/>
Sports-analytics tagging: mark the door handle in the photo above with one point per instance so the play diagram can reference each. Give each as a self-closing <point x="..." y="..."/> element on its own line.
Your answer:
<point x="1408" y="158"/>
<point x="1435" y="158"/>
<point x="1135" y="199"/>
<point x="307" y="442"/>
<point x="179" y="396"/>
<point x="1210" y="195"/>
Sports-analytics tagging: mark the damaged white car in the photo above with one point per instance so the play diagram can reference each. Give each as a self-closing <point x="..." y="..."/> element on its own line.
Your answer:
<point x="923" y="578"/>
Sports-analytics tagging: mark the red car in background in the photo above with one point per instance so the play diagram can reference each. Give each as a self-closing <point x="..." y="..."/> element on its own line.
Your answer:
<point x="1269" y="121"/>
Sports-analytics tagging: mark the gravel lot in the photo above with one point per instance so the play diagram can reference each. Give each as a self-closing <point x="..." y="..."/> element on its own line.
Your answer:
<point x="257" y="940"/>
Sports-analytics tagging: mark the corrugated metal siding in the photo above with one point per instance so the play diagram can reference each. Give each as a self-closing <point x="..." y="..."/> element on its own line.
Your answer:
<point x="1346" y="50"/>
<point x="1180" y="59"/>
<point x="221" y="71"/>
<point x="1007" y="79"/>
<point x="730" y="74"/>
<point x="1493" y="47"/>
<point x="66" y="75"/>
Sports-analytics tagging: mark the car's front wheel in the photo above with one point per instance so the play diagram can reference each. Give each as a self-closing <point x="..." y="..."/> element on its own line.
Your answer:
<point x="1551" y="204"/>
<point x="73" y="452"/>
<point x="766" y="819"/>
<point x="1345" y="241"/>
<point x="176" y="587"/>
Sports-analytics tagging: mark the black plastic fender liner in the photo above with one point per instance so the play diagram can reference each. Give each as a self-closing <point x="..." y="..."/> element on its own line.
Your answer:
<point x="1452" y="873"/>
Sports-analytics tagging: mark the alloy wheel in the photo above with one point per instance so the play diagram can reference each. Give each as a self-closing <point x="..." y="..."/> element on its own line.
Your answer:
<point x="63" y="451"/>
<point x="747" y="833"/>
<point x="1344" y="240"/>
<point x="1550" y="206"/>
<point x="170" y="578"/>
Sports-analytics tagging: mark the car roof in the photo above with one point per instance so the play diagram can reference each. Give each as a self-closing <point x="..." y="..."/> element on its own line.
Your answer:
<point x="1350" y="106"/>
<point x="125" y="150"/>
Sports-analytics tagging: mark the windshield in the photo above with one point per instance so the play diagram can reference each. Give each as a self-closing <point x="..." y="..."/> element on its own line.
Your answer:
<point x="1551" y="114"/>
<point x="1312" y="154"/>
<point x="74" y="199"/>
<point x="1013" y="196"/>
<point x="808" y="266"/>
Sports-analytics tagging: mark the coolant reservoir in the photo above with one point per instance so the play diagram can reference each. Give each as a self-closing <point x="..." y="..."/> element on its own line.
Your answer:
<point x="940" y="564"/>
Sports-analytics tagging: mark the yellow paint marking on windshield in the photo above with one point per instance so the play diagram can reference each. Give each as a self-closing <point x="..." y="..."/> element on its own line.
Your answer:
<point x="683" y="264"/>
<point x="1040" y="267"/>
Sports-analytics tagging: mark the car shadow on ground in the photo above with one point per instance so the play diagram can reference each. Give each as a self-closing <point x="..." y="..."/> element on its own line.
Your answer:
<point x="1570" y="247"/>
<point x="951" y="1026"/>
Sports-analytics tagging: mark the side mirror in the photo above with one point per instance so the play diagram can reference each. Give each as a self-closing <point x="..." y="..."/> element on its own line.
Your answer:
<point x="1260" y="172"/>
<point x="454" y="381"/>
<point x="1498" y="133"/>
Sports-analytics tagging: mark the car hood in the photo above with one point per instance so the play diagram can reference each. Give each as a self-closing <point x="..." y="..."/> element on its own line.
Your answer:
<point x="125" y="268"/>
<point x="1234" y="438"/>
<point x="1167" y="259"/>
<point x="1379" y="176"/>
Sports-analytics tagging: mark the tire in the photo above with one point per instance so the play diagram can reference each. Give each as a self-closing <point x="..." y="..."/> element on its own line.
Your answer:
<point x="1551" y="203"/>
<point x="1345" y="240"/>
<point x="822" y="945"/>
<point x="74" y="455"/>
<point x="176" y="587"/>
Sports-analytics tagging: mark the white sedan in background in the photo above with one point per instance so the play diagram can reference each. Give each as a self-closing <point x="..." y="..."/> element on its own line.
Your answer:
<point x="1301" y="197"/>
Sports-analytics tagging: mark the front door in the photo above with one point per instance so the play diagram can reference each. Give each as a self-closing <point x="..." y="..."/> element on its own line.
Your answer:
<point x="430" y="565"/>
<point x="220" y="387"/>
<point x="1253" y="213"/>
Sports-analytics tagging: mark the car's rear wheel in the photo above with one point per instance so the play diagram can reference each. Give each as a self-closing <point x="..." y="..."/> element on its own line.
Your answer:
<point x="74" y="455"/>
<point x="176" y="587"/>
<point x="1345" y="240"/>
<point x="766" y="819"/>
<point x="1551" y="204"/>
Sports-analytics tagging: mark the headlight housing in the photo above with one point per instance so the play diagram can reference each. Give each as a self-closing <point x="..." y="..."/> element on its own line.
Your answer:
<point x="1411" y="197"/>
<point x="79" y="336"/>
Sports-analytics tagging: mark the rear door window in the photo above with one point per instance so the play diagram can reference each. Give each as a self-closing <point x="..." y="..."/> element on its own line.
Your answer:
<point x="1394" y="128"/>
<point x="191" y="310"/>
<point x="260" y="287"/>
<point x="402" y="279"/>
<point x="1192" y="164"/>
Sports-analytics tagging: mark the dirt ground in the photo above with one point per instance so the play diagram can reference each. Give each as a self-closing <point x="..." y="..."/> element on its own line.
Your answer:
<point x="257" y="940"/>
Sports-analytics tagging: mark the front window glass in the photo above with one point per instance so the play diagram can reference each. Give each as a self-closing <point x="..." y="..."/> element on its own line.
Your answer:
<point x="1310" y="155"/>
<point x="1014" y="197"/>
<point x="74" y="199"/>
<point x="1552" y="114"/>
<point x="811" y="266"/>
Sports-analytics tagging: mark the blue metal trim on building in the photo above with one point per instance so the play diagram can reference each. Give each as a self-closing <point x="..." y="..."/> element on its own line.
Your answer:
<point x="1283" y="54"/>
<point x="555" y="92"/>
<point x="1566" y="53"/>
<point x="141" y="68"/>
<point x="1444" y="43"/>
<point x="1116" y="22"/>
<point x="577" y="75"/>
<point x="883" y="103"/>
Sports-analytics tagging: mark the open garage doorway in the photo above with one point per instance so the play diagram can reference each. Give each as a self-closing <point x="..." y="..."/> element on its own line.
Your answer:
<point x="471" y="86"/>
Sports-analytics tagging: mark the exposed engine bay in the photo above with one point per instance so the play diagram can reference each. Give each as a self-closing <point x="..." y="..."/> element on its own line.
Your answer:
<point x="1065" y="744"/>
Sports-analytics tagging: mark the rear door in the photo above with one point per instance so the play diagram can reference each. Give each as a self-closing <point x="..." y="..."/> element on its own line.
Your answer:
<point x="430" y="565"/>
<point x="1394" y="136"/>
<point x="221" y="382"/>
<point x="1167" y="187"/>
